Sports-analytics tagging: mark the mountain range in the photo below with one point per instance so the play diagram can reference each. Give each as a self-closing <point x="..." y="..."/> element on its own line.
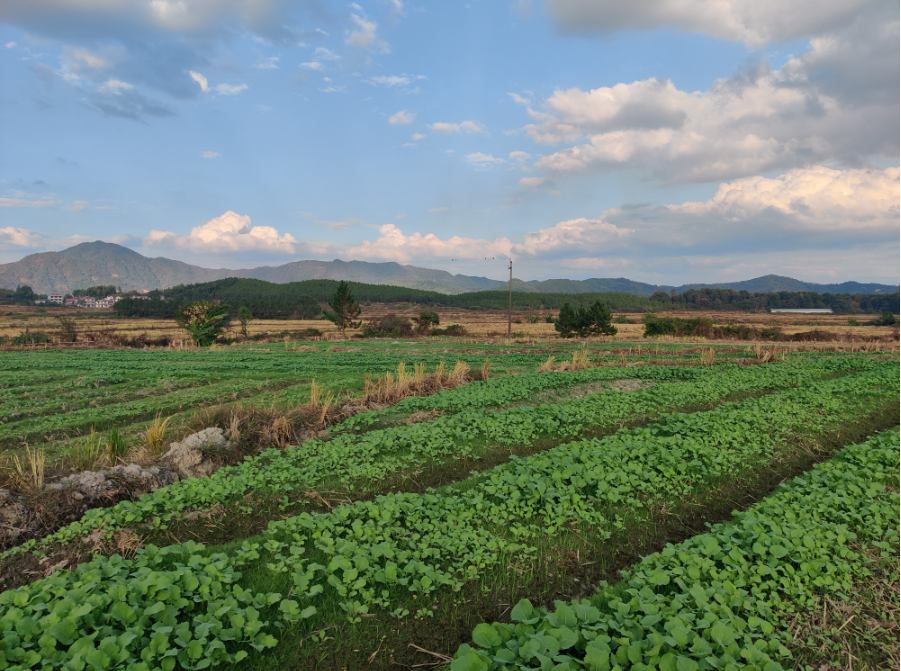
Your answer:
<point x="96" y="263"/>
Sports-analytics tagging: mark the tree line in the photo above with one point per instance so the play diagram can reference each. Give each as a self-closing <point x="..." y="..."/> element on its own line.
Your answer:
<point x="305" y="299"/>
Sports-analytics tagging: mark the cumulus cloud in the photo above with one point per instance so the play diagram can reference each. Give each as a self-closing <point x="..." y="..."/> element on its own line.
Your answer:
<point x="200" y="79"/>
<point x="808" y="209"/>
<point x="77" y="206"/>
<point x="402" y="118"/>
<point x="754" y="22"/>
<point x="86" y="58"/>
<point x="210" y="154"/>
<point x="480" y="159"/>
<point x="269" y="63"/>
<point x="518" y="156"/>
<point x="462" y="127"/>
<point x="311" y="65"/>
<point x="230" y="89"/>
<point x="836" y="102"/>
<point x="417" y="137"/>
<point x="25" y="202"/>
<point x="365" y="36"/>
<point x="115" y="86"/>
<point x="393" y="245"/>
<point x="761" y="121"/>
<point x="20" y="238"/>
<point x="226" y="234"/>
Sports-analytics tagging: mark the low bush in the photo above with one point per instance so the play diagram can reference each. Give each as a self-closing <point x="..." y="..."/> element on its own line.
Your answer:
<point x="33" y="338"/>
<point x="389" y="326"/>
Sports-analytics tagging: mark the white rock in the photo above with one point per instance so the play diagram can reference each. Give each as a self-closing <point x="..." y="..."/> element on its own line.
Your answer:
<point x="190" y="458"/>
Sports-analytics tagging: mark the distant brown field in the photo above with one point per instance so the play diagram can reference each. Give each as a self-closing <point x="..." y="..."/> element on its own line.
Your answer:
<point x="491" y="324"/>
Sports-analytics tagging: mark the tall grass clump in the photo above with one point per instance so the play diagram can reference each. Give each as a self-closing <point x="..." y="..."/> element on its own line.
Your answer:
<point x="30" y="469"/>
<point x="116" y="447"/>
<point x="87" y="452"/>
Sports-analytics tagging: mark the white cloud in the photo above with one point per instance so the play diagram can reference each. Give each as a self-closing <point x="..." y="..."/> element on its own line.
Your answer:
<point x="20" y="238"/>
<point x="754" y="22"/>
<point x="518" y="156"/>
<point x="77" y="206"/>
<point x="324" y="54"/>
<point x="24" y="202"/>
<point x="226" y="234"/>
<point x="535" y="182"/>
<point x="311" y="65"/>
<point x="10" y="45"/>
<point x="230" y="89"/>
<point x="393" y="245"/>
<point x="395" y="80"/>
<point x="478" y="158"/>
<point x="519" y="99"/>
<point x="334" y="89"/>
<point x="403" y="117"/>
<point x="210" y="154"/>
<point x="365" y="36"/>
<point x="200" y="79"/>
<point x="817" y="199"/>
<point x="462" y="127"/>
<point x="753" y="124"/>
<point x="837" y="102"/>
<point x="417" y="136"/>
<point x="115" y="86"/>
<point x="269" y="63"/>
<point x="87" y="59"/>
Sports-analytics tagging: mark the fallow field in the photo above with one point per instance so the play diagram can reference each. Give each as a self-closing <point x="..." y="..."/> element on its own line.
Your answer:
<point x="472" y="503"/>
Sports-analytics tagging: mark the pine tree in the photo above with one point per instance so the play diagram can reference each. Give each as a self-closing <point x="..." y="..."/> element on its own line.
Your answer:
<point x="344" y="308"/>
<point x="600" y="320"/>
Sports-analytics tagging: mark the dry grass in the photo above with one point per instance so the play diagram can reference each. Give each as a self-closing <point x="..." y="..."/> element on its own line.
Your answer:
<point x="154" y="444"/>
<point x="393" y="387"/>
<point x="29" y="471"/>
<point x="855" y="632"/>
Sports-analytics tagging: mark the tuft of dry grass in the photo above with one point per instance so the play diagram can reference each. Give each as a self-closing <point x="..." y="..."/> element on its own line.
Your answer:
<point x="29" y="470"/>
<point x="547" y="365"/>
<point x="155" y="438"/>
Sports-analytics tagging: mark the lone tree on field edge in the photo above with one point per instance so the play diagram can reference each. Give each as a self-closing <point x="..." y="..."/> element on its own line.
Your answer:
<point x="344" y="308"/>
<point x="205" y="321"/>
<point x="245" y="316"/>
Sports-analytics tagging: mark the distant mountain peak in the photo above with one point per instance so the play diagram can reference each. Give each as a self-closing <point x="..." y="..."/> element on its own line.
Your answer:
<point x="95" y="263"/>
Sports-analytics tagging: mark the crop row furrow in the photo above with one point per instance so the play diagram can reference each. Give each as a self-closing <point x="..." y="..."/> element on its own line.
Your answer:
<point x="721" y="600"/>
<point x="350" y="458"/>
<point x="182" y="604"/>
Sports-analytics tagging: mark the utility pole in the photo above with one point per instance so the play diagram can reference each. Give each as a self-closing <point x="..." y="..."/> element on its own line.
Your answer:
<point x="510" y="304"/>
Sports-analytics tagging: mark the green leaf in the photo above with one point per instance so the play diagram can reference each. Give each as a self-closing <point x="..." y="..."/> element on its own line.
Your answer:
<point x="469" y="662"/>
<point x="486" y="636"/>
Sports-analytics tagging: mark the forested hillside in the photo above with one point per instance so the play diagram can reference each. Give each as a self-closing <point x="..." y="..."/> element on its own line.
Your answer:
<point x="295" y="299"/>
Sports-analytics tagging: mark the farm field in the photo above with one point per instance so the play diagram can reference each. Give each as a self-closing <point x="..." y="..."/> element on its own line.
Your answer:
<point x="479" y="324"/>
<point x="357" y="528"/>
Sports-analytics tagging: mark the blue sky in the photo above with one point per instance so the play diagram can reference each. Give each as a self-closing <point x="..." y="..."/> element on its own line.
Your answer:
<point x="669" y="141"/>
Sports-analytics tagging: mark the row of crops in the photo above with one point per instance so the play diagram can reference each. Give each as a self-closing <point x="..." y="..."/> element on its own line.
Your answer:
<point x="349" y="459"/>
<point x="721" y="600"/>
<point x="192" y="607"/>
<point x="49" y="393"/>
